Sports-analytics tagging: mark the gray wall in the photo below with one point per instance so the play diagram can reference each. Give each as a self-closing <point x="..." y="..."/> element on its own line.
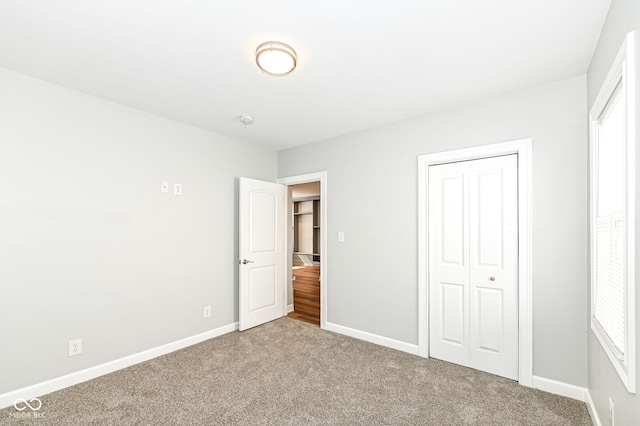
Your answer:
<point x="90" y="248"/>
<point x="604" y="382"/>
<point x="372" y="196"/>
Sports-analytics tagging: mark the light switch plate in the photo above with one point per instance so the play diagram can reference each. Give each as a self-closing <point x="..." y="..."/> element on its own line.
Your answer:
<point x="341" y="237"/>
<point x="177" y="189"/>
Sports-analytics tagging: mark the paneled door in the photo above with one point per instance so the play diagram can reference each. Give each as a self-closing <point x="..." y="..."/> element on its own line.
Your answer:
<point x="261" y="252"/>
<point x="473" y="261"/>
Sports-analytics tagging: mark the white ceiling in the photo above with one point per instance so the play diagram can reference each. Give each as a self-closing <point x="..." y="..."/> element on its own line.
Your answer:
<point x="361" y="63"/>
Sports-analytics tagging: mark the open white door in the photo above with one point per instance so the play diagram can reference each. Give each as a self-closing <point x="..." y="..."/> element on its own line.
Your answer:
<point x="261" y="252"/>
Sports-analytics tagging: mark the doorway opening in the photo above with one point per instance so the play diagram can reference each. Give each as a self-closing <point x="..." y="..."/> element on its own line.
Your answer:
<point x="306" y="285"/>
<point x="305" y="257"/>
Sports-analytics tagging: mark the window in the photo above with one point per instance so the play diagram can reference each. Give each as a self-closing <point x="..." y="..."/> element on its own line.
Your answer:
<point x="612" y="143"/>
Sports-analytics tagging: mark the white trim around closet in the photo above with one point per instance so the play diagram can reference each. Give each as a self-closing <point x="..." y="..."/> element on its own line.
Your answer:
<point x="525" y="313"/>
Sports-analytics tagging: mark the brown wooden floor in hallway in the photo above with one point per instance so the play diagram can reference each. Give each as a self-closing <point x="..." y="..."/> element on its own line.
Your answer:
<point x="306" y="294"/>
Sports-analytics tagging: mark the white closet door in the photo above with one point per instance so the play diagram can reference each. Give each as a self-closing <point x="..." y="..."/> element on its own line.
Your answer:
<point x="449" y="262"/>
<point x="473" y="287"/>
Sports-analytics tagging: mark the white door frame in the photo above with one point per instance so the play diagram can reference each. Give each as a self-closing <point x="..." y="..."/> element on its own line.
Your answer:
<point x="324" y="277"/>
<point x="525" y="313"/>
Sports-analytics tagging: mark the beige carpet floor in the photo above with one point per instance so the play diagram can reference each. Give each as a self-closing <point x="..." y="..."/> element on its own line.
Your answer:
<point x="291" y="373"/>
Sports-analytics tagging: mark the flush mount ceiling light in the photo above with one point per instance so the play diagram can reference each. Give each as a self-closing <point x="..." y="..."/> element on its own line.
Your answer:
<point x="276" y="58"/>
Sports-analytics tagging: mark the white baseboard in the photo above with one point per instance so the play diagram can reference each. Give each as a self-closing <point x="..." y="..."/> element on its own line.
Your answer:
<point x="7" y="399"/>
<point x="373" y="338"/>
<point x="592" y="410"/>
<point x="559" y="388"/>
<point x="290" y="308"/>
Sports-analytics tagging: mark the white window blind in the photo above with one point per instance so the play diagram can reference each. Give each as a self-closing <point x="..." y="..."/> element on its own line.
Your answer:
<point x="608" y="295"/>
<point x="610" y="253"/>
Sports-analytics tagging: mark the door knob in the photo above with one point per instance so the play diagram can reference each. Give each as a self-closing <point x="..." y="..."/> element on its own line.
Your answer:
<point x="245" y="261"/>
<point x="492" y="278"/>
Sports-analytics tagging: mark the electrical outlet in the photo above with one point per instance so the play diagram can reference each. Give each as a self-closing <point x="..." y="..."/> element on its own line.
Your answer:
<point x="164" y="187"/>
<point x="611" y="416"/>
<point x="207" y="311"/>
<point x="75" y="347"/>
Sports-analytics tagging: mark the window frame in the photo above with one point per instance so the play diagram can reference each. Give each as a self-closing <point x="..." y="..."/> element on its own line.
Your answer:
<point x="622" y="76"/>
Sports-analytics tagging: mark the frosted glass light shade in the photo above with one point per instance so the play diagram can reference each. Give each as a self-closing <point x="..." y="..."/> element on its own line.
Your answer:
<point x="275" y="58"/>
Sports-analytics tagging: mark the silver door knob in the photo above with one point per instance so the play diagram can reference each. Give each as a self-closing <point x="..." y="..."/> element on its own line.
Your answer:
<point x="245" y="261"/>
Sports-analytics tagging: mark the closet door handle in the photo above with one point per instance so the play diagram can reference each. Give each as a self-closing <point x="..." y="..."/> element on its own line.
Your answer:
<point x="245" y="261"/>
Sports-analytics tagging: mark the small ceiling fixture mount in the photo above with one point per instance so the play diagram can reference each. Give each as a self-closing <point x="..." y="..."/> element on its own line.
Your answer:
<point x="276" y="58"/>
<point x="246" y="119"/>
